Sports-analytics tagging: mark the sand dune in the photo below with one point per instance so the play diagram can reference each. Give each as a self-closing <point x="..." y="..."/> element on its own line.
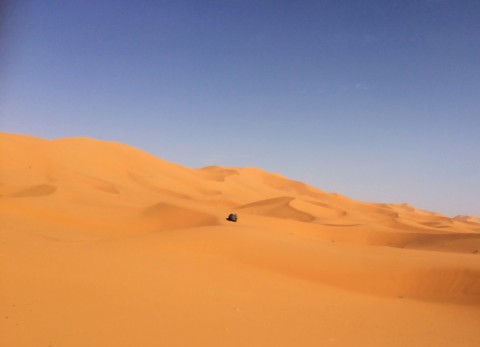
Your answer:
<point x="468" y="219"/>
<point x="280" y="207"/>
<point x="103" y="244"/>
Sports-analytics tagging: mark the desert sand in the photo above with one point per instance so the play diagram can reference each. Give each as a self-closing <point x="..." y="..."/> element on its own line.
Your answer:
<point x="102" y="244"/>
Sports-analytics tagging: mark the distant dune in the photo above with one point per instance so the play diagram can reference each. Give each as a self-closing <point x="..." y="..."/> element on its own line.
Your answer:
<point x="103" y="244"/>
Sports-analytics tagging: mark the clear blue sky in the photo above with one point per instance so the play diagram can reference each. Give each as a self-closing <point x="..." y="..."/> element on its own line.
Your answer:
<point x="377" y="100"/>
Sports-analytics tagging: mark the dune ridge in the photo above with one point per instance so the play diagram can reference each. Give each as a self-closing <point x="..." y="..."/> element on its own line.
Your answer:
<point x="90" y="227"/>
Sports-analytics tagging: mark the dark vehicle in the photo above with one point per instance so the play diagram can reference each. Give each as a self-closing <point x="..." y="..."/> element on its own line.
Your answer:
<point x="232" y="217"/>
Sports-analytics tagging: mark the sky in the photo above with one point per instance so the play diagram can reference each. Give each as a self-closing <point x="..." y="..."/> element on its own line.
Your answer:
<point x="376" y="100"/>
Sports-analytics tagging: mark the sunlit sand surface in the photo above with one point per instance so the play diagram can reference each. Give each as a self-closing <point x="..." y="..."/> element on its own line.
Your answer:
<point x="105" y="245"/>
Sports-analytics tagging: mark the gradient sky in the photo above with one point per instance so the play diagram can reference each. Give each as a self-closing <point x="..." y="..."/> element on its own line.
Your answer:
<point x="377" y="100"/>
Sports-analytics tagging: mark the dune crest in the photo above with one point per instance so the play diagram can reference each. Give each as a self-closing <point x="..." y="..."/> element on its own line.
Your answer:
<point x="468" y="219"/>
<point x="168" y="216"/>
<point x="280" y="207"/>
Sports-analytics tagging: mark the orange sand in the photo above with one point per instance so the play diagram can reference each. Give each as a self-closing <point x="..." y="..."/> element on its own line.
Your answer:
<point x="105" y="245"/>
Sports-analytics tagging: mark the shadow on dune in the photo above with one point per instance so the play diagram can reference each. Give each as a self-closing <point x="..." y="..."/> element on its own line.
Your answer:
<point x="36" y="191"/>
<point x="277" y="207"/>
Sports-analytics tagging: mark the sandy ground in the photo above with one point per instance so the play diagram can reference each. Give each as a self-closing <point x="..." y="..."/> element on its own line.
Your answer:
<point x="102" y="244"/>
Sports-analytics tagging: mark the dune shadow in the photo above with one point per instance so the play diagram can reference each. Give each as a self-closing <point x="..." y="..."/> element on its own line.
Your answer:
<point x="36" y="191"/>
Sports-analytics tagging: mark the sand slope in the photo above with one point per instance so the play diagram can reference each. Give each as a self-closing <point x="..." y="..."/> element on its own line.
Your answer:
<point x="103" y="244"/>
